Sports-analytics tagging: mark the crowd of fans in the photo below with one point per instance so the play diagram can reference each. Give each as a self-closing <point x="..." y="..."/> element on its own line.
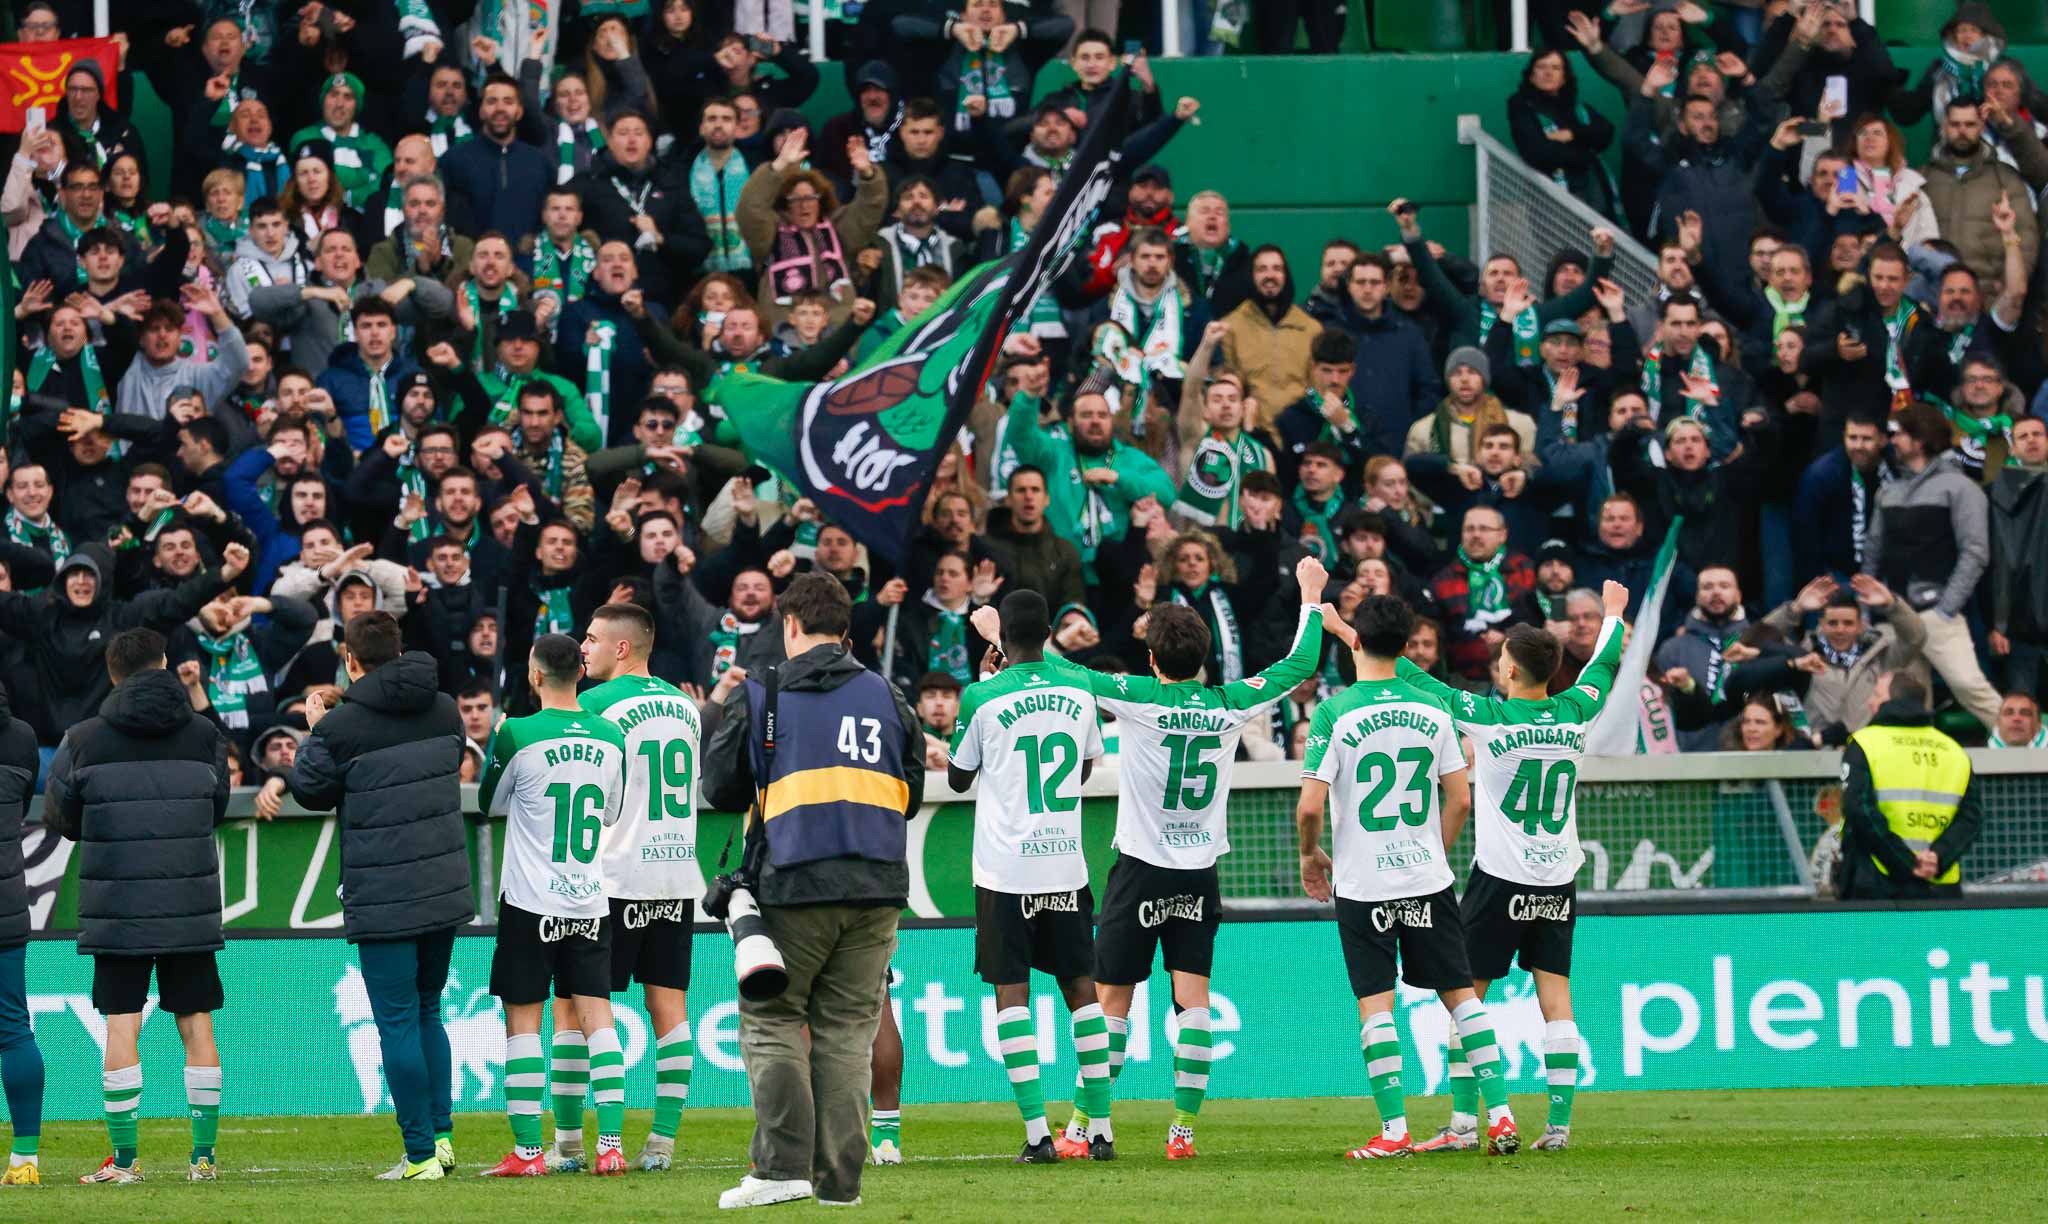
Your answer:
<point x="447" y="351"/>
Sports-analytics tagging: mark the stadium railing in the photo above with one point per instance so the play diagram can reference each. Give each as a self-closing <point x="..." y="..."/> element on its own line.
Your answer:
<point x="1522" y="213"/>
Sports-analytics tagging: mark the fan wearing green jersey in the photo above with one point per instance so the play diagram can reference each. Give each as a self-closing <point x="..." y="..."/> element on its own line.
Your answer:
<point x="651" y="878"/>
<point x="1521" y="898"/>
<point x="559" y="779"/>
<point x="1162" y="899"/>
<point x="1378" y="753"/>
<point x="1031" y="736"/>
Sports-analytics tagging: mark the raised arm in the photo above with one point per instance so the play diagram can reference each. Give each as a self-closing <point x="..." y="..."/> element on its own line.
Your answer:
<point x="1597" y="679"/>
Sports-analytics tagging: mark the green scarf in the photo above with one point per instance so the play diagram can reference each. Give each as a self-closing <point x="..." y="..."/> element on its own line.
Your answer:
<point x="948" y="649"/>
<point x="716" y="192"/>
<point x="984" y="74"/>
<point x="232" y="674"/>
<point x="597" y="374"/>
<point x="1322" y="518"/>
<point x="360" y="159"/>
<point x="1209" y="494"/>
<point x="554" y="614"/>
<point x="1154" y="351"/>
<point x="44" y="363"/>
<point x="566" y="136"/>
<point x="1209" y="263"/>
<point x="725" y="641"/>
<point x="135" y="225"/>
<point x="1968" y="72"/>
<point x="1559" y="177"/>
<point x="1897" y="326"/>
<point x="1701" y="366"/>
<point x="508" y="301"/>
<point x="551" y="463"/>
<point x="1959" y="344"/>
<point x="444" y="132"/>
<point x="2040" y="740"/>
<point x="1978" y="431"/>
<point x="1486" y="600"/>
<point x="1226" y="647"/>
<point x="72" y="233"/>
<point x="228" y="101"/>
<point x="1525" y="327"/>
<point x="47" y="535"/>
<point x="222" y="235"/>
<point x="380" y="399"/>
<point x="568" y="275"/>
<point x="1785" y="314"/>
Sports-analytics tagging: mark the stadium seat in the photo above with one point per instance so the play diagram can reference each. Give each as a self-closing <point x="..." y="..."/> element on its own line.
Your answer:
<point x="1419" y="25"/>
<point x="1917" y="22"/>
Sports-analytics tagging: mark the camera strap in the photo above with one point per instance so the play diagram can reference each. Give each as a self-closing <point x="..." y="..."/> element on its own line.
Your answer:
<point x="773" y="684"/>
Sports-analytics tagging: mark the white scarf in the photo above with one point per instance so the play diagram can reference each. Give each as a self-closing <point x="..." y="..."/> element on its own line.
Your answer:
<point x="1157" y="351"/>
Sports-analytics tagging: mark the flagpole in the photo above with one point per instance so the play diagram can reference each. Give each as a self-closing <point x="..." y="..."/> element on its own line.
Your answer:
<point x="889" y="639"/>
<point x="99" y="18"/>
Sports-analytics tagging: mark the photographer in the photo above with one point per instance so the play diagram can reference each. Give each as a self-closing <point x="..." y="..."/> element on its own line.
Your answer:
<point x="828" y="870"/>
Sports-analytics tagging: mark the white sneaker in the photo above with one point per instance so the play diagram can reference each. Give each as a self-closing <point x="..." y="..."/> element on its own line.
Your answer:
<point x="757" y="1192"/>
<point x="886" y="1152"/>
<point x="830" y="1203"/>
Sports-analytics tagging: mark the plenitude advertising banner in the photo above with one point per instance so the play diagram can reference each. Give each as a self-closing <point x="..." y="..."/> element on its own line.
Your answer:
<point x="1690" y="1001"/>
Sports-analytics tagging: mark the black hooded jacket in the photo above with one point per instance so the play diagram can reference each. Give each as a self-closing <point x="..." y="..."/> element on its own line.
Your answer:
<point x="389" y="759"/>
<point x="141" y="789"/>
<point x="18" y="765"/>
<point x="67" y="645"/>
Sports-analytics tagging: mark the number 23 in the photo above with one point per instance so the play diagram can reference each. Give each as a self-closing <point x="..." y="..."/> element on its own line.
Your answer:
<point x="864" y="743"/>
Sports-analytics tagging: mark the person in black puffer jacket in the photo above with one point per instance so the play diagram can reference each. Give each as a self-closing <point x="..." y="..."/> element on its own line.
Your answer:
<point x="21" y="1061"/>
<point x="389" y="759"/>
<point x="141" y="789"/>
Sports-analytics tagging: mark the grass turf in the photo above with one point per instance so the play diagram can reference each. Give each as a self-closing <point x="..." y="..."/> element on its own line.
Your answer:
<point x="1809" y="1154"/>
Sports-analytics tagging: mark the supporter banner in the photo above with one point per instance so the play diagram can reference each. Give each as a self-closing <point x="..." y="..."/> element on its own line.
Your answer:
<point x="864" y="446"/>
<point x="1635" y="718"/>
<point x="1667" y="1002"/>
<point x="35" y="75"/>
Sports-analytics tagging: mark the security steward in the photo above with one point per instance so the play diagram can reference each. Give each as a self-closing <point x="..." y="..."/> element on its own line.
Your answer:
<point x="1910" y="803"/>
<point x="825" y="842"/>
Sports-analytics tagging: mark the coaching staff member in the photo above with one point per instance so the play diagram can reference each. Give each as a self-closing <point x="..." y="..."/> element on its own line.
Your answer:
<point x="389" y="759"/>
<point x="141" y="788"/>
<point x="846" y="774"/>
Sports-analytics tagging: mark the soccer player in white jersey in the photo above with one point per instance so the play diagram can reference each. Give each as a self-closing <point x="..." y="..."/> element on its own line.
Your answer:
<point x="1030" y="734"/>
<point x="558" y="777"/>
<point x="1179" y="745"/>
<point x="651" y="878"/>
<point x="1378" y="753"/>
<point x="1521" y="896"/>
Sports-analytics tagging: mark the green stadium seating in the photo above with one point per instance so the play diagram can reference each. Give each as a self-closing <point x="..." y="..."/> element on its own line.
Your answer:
<point x="2025" y="21"/>
<point x="1914" y="21"/>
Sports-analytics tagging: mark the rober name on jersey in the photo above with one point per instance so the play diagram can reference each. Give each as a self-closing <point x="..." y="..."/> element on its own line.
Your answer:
<point x="589" y="751"/>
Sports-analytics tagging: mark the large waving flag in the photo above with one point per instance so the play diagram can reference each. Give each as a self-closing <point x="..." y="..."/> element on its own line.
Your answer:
<point x="863" y="446"/>
<point x="1635" y="720"/>
<point x="32" y="75"/>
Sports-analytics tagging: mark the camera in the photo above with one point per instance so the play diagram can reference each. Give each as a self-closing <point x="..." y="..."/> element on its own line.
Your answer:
<point x="757" y="962"/>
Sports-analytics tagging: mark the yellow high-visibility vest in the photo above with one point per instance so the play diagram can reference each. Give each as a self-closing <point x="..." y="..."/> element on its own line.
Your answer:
<point x="1919" y="776"/>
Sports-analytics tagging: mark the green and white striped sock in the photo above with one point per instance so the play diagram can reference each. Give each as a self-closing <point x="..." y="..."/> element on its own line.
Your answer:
<point x="525" y="1078"/>
<point x="1019" y="1045"/>
<point x="1464" y="1089"/>
<point x="1190" y="1066"/>
<point x="1475" y="1033"/>
<point x="608" y="1087"/>
<point x="122" y="1090"/>
<point x="202" y="1097"/>
<point x="1119" y="1037"/>
<point x="1382" y="1046"/>
<point x="1091" y="1047"/>
<point x="1561" y="1068"/>
<point x="674" y="1057"/>
<point x="568" y="1082"/>
<point x="885" y="1126"/>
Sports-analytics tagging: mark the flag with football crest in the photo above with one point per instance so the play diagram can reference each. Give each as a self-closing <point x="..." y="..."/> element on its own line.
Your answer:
<point x="863" y="446"/>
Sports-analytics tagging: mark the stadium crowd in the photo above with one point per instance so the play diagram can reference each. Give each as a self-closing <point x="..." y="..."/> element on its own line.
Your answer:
<point x="426" y="320"/>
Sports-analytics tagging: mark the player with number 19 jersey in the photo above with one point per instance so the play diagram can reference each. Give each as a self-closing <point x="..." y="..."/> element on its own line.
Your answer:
<point x="558" y="778"/>
<point x="651" y="854"/>
<point x="1526" y="768"/>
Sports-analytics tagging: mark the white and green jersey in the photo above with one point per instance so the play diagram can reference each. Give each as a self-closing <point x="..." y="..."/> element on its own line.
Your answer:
<point x="1526" y="768"/>
<point x="1027" y="729"/>
<point x="651" y="854"/>
<point x="1179" y="746"/>
<point x="1381" y="745"/>
<point x="557" y="777"/>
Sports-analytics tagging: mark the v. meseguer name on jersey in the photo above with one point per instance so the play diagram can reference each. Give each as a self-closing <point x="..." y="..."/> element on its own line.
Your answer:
<point x="1387" y="720"/>
<point x="1038" y="703"/>
<point x="588" y="751"/>
<point x="1530" y="737"/>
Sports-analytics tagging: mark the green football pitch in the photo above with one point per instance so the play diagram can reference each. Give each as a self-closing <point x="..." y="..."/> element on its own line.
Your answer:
<point x="1808" y="1155"/>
